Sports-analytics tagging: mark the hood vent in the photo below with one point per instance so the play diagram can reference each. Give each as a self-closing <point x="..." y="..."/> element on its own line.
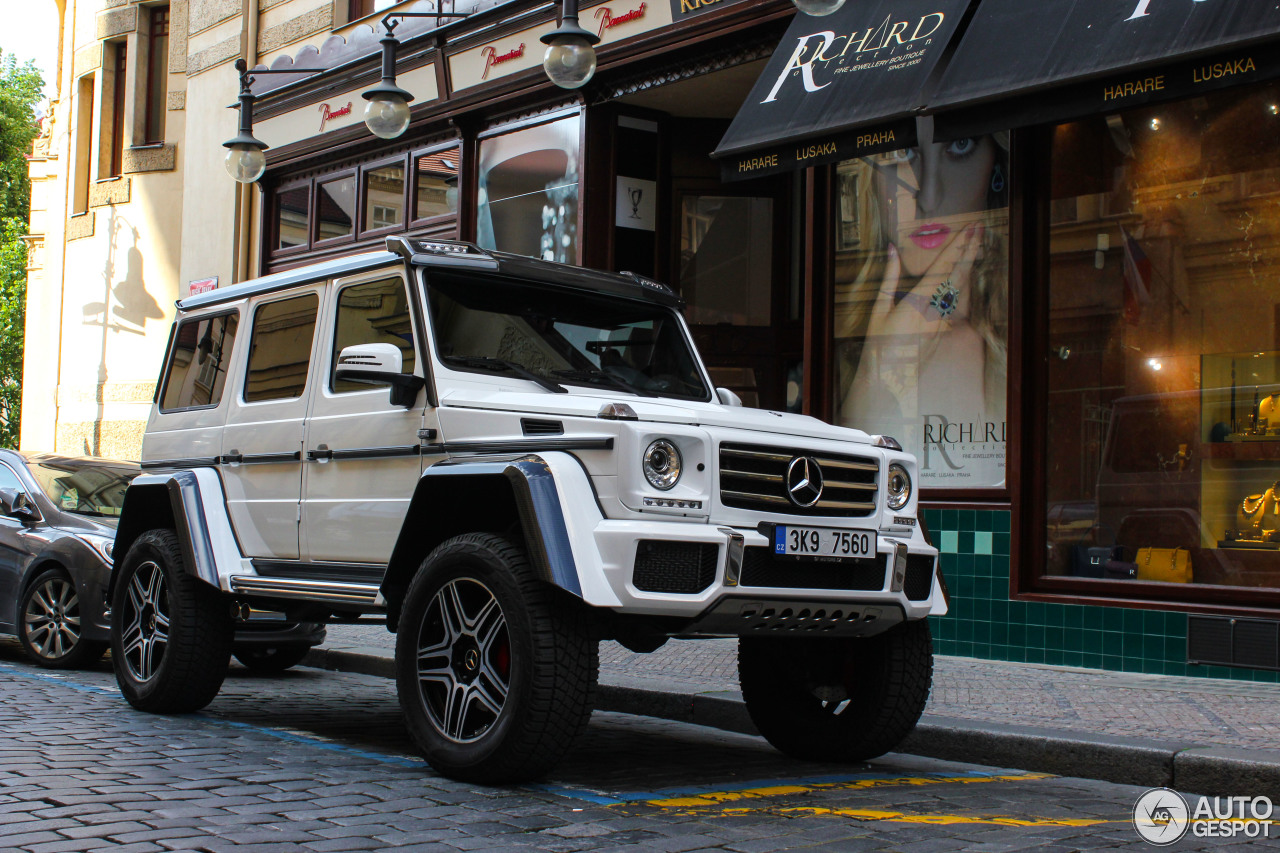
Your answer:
<point x="534" y="426"/>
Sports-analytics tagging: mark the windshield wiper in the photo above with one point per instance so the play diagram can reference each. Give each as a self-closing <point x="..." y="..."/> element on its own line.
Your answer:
<point x="598" y="377"/>
<point x="501" y="365"/>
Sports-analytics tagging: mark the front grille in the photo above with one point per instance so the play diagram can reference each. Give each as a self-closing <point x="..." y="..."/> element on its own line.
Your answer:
<point x="761" y="568"/>
<point x="919" y="582"/>
<point x="685" y="567"/>
<point x="755" y="477"/>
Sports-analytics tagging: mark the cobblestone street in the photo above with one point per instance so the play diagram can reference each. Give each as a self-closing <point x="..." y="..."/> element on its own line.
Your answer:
<point x="319" y="761"/>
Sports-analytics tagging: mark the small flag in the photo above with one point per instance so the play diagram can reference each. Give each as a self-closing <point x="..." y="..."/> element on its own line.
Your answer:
<point x="1137" y="278"/>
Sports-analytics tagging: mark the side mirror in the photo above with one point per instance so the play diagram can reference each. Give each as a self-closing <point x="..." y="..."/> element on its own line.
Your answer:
<point x="379" y="364"/>
<point x="14" y="504"/>
<point x="727" y="397"/>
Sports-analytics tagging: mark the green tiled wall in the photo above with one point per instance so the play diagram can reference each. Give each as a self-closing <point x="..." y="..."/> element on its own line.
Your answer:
<point x="984" y="623"/>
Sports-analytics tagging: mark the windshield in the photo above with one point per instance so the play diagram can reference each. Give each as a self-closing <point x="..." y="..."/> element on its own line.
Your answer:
<point x="83" y="486"/>
<point x="558" y="337"/>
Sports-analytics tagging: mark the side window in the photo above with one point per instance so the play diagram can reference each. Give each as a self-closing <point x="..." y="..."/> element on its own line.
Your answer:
<point x="280" y="349"/>
<point x="9" y="480"/>
<point x="376" y="312"/>
<point x="197" y="369"/>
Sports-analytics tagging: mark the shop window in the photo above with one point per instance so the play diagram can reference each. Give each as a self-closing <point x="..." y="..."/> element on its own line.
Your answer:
<point x="436" y="184"/>
<point x="336" y="208"/>
<point x="726" y="259"/>
<point x="280" y="349"/>
<point x="528" y="197"/>
<point x="1164" y="346"/>
<point x="376" y="312"/>
<point x="156" y="95"/>
<point x="292" y="216"/>
<point x="197" y="369"/>
<point x="921" y="304"/>
<point x="384" y="197"/>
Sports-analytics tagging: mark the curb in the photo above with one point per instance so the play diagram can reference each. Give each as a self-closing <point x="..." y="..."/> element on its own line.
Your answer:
<point x="1144" y="762"/>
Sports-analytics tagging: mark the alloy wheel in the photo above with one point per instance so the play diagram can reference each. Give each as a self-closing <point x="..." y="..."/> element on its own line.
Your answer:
<point x="464" y="660"/>
<point x="52" y="618"/>
<point x="146" y="621"/>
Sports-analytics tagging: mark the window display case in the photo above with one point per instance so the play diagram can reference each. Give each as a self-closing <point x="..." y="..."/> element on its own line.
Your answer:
<point x="1240" y="422"/>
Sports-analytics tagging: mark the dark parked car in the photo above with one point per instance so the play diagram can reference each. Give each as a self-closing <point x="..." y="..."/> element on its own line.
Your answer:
<point x="58" y="518"/>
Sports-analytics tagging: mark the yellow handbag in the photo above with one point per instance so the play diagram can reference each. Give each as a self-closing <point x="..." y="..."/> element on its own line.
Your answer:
<point x="1171" y="565"/>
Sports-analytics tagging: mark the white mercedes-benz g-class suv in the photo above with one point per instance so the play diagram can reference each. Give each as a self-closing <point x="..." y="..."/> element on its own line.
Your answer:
<point x="511" y="460"/>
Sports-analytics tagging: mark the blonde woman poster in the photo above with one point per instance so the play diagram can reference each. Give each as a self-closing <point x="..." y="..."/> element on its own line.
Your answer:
<point x="922" y="305"/>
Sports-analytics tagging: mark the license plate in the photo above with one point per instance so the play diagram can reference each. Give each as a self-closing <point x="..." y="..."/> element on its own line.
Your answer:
<point x="827" y="542"/>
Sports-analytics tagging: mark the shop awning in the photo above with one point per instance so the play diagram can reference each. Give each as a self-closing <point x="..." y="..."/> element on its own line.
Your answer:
<point x="1020" y="63"/>
<point x="841" y="86"/>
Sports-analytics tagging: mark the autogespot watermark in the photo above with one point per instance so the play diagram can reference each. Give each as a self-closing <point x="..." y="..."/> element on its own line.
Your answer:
<point x="1162" y="816"/>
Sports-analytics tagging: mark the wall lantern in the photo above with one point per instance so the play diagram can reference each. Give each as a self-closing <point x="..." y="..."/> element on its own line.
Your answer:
<point x="387" y="113"/>
<point x="818" y="8"/>
<point x="246" y="154"/>
<point x="570" y="60"/>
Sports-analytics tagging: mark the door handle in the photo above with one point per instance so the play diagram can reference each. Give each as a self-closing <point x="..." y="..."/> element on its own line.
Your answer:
<point x="320" y="454"/>
<point x="231" y="458"/>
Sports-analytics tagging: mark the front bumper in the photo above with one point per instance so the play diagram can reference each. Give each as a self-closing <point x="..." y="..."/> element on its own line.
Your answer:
<point x="891" y="588"/>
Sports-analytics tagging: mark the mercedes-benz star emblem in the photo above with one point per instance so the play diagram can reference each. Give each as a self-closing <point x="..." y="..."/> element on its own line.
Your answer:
<point x="804" y="481"/>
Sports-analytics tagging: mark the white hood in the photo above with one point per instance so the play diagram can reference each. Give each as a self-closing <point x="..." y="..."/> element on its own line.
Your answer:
<point x="587" y="403"/>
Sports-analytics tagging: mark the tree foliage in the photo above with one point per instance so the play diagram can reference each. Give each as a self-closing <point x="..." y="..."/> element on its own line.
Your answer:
<point x="20" y="87"/>
<point x="13" y="313"/>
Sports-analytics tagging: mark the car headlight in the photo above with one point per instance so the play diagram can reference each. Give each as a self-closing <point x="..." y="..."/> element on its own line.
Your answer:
<point x="101" y="545"/>
<point x="662" y="464"/>
<point x="898" y="487"/>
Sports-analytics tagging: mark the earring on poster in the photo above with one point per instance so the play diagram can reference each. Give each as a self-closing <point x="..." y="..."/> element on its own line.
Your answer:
<point x="997" y="179"/>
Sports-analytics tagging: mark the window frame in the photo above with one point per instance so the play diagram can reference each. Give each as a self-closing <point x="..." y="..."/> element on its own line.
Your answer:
<point x="273" y="219"/>
<point x="156" y="91"/>
<point x="315" y="240"/>
<point x="414" y="221"/>
<point x="342" y="285"/>
<point x="168" y="362"/>
<point x="365" y="229"/>
<point x="314" y="293"/>
<point x="114" y="161"/>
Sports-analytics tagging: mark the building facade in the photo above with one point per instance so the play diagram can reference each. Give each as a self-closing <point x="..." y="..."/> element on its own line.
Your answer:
<point x="1052" y="276"/>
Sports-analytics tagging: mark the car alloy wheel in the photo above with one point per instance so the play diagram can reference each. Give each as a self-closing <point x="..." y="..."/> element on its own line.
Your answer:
<point x="464" y="660"/>
<point x="146" y="621"/>
<point x="52" y="618"/>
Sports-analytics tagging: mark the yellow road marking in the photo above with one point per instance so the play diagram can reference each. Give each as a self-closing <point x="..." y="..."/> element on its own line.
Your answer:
<point x="936" y="819"/>
<point x="713" y="798"/>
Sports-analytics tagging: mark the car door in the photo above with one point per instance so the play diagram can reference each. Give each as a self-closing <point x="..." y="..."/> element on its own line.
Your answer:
<point x="362" y="452"/>
<point x="13" y="554"/>
<point x="262" y="440"/>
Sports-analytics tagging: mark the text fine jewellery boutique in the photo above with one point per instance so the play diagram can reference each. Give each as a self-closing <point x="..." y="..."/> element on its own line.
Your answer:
<point x="1039" y="243"/>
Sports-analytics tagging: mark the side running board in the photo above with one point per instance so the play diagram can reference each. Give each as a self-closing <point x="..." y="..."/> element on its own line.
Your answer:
<point x="334" y="592"/>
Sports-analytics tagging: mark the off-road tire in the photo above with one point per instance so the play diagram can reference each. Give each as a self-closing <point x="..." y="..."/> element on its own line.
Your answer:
<point x="55" y="589"/>
<point x="271" y="658"/>
<point x="193" y="660"/>
<point x="552" y="664"/>
<point x="885" y="679"/>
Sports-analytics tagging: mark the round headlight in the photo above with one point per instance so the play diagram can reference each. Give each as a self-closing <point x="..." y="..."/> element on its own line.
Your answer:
<point x="899" y="487"/>
<point x="662" y="464"/>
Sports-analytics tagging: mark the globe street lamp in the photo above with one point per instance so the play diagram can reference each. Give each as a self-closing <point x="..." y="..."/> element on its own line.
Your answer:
<point x="570" y="60"/>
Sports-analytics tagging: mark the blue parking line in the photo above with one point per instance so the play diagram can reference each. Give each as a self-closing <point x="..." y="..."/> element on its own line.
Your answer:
<point x="57" y="679"/>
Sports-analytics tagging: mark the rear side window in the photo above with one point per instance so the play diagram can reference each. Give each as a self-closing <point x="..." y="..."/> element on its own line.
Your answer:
<point x="280" y="349"/>
<point x="197" y="369"/>
<point x="376" y="312"/>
